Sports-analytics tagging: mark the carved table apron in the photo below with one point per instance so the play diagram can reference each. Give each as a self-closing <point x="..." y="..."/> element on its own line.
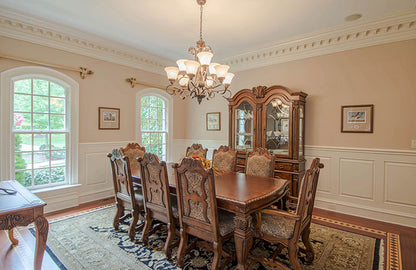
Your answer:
<point x="21" y="209"/>
<point x="242" y="195"/>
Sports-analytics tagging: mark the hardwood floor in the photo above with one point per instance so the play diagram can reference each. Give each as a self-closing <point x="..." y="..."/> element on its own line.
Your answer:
<point x="21" y="257"/>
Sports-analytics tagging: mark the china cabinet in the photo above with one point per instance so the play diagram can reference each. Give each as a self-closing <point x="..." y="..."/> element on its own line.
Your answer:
<point x="272" y="118"/>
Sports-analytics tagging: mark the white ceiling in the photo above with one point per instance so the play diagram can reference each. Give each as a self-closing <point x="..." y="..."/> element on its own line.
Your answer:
<point x="231" y="27"/>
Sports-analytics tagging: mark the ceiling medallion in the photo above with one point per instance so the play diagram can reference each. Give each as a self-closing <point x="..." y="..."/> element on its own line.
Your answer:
<point x="199" y="78"/>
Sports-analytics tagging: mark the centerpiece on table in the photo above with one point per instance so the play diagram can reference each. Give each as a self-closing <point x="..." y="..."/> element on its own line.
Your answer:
<point x="205" y="162"/>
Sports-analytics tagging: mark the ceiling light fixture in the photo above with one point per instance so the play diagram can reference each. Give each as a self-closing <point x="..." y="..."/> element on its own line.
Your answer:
<point x="199" y="78"/>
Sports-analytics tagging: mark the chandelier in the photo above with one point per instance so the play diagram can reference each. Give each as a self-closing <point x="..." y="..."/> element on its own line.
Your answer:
<point x="199" y="78"/>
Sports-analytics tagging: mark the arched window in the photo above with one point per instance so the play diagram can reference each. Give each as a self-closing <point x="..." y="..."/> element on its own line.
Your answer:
<point x="40" y="130"/>
<point x="153" y="122"/>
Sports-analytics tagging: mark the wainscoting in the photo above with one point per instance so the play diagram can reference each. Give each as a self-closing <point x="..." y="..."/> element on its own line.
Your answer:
<point x="372" y="183"/>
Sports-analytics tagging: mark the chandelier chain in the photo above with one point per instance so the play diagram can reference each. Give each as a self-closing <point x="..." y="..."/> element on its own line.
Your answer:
<point x="200" y="22"/>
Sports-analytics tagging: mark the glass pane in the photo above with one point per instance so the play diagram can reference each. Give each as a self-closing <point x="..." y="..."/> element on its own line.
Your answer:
<point x="40" y="121"/>
<point x="160" y="113"/>
<point x="152" y="124"/>
<point x="23" y="86"/>
<point x="244" y="126"/>
<point x="145" y="124"/>
<point x="145" y="138"/>
<point x="23" y="142"/>
<point x="58" y="141"/>
<point x="144" y="112"/>
<point x="160" y="125"/>
<point x="145" y="101"/>
<point x="58" y="158"/>
<point x="57" y="175"/>
<point x="152" y="101"/>
<point x="153" y="149"/>
<point x="41" y="104"/>
<point x="41" y="142"/>
<point x="154" y="138"/>
<point x="277" y="127"/>
<point x="57" y="122"/>
<point x="57" y="105"/>
<point x="160" y="103"/>
<point x="22" y="103"/>
<point x="40" y="87"/>
<point x="24" y="178"/>
<point x="153" y="113"/>
<point x="41" y="177"/>
<point x="57" y="90"/>
<point x="22" y="121"/>
<point x="41" y="159"/>
<point x="23" y="161"/>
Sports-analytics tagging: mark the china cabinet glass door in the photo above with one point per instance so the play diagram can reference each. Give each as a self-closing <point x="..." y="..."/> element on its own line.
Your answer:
<point x="244" y="127"/>
<point x="277" y="137"/>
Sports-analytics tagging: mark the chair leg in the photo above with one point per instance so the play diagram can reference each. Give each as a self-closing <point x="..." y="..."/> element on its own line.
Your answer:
<point x="147" y="225"/>
<point x="293" y="255"/>
<point x="171" y="234"/>
<point x="217" y="255"/>
<point x="120" y="211"/>
<point x="132" y="228"/>
<point x="182" y="247"/>
<point x="310" y="255"/>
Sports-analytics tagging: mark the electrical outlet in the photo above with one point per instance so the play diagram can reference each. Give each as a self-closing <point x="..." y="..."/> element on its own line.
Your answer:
<point x="413" y="144"/>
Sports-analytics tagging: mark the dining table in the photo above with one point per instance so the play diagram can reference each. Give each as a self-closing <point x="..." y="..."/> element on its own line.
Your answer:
<point x="241" y="195"/>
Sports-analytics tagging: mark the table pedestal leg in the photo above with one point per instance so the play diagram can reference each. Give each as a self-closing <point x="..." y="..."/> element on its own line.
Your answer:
<point x="243" y="239"/>
<point x="42" y="228"/>
<point x="12" y="239"/>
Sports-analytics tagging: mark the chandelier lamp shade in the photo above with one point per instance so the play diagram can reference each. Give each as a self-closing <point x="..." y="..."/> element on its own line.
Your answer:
<point x="199" y="78"/>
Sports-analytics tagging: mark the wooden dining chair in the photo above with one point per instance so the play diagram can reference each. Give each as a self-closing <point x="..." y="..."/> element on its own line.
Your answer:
<point x="224" y="158"/>
<point x="196" y="150"/>
<point x="125" y="195"/>
<point x="286" y="228"/>
<point x="260" y="163"/>
<point x="198" y="214"/>
<point x="158" y="203"/>
<point x="133" y="151"/>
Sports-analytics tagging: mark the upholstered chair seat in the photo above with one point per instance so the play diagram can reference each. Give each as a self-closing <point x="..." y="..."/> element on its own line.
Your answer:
<point x="277" y="226"/>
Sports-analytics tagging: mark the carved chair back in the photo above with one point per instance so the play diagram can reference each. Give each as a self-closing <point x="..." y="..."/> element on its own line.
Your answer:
<point x="197" y="204"/>
<point x="260" y="162"/>
<point x="224" y="158"/>
<point x="155" y="185"/>
<point x="196" y="150"/>
<point x="123" y="184"/>
<point x="307" y="194"/>
<point x="133" y="151"/>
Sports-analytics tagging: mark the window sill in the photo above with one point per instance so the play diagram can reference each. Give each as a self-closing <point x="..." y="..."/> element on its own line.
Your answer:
<point x="56" y="188"/>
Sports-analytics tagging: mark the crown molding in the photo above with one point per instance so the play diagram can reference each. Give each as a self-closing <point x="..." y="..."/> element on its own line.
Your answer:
<point x="20" y="26"/>
<point x="24" y="27"/>
<point x="389" y="29"/>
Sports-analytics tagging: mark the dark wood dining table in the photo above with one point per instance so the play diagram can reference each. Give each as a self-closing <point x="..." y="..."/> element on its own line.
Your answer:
<point x="242" y="195"/>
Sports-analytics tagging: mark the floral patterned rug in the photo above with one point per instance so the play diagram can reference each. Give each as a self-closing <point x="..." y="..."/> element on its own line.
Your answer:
<point x="88" y="241"/>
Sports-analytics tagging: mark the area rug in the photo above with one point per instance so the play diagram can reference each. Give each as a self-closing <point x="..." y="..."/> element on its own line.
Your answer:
<point x="88" y="241"/>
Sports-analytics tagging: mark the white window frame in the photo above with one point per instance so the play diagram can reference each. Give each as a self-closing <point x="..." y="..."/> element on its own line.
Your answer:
<point x="169" y="109"/>
<point x="7" y="79"/>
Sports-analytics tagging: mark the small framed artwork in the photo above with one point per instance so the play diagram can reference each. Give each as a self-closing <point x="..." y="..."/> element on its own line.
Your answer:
<point x="357" y="118"/>
<point x="214" y="121"/>
<point x="108" y="118"/>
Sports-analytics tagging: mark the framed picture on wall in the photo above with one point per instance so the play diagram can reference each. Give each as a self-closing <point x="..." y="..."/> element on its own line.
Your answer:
<point x="108" y="118"/>
<point x="357" y="118"/>
<point x="213" y="121"/>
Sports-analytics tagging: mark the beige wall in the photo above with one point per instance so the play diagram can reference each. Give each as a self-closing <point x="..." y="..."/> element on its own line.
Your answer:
<point x="383" y="75"/>
<point x="106" y="88"/>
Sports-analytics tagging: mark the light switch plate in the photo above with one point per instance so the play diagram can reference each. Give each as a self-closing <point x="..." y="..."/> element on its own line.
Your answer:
<point x="413" y="144"/>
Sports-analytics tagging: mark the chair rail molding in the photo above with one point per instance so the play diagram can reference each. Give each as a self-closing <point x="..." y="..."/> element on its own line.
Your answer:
<point x="24" y="27"/>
